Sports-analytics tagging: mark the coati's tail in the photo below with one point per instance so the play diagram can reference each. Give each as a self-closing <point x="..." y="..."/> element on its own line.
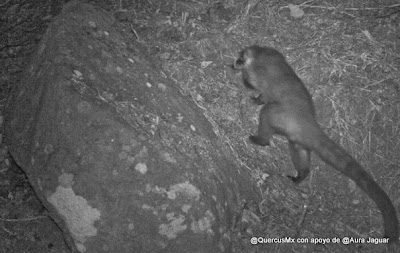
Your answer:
<point x="338" y="158"/>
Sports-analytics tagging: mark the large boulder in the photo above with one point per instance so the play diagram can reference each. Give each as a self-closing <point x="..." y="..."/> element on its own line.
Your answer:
<point x="121" y="159"/>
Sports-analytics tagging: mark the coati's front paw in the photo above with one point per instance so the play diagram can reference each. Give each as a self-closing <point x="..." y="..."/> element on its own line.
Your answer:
<point x="258" y="140"/>
<point x="257" y="100"/>
<point x="294" y="179"/>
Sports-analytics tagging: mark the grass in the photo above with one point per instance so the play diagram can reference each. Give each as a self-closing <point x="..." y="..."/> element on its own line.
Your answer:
<point x="346" y="54"/>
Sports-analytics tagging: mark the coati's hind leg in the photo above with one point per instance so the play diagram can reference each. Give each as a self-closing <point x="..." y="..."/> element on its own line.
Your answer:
<point x="301" y="161"/>
<point x="265" y="131"/>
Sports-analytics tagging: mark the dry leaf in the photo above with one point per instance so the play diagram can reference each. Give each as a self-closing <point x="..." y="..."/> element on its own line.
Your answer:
<point x="295" y="11"/>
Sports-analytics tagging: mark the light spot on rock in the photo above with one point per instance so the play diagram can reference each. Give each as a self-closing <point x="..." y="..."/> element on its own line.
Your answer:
<point x="80" y="247"/>
<point x="141" y="167"/>
<point x="77" y="73"/>
<point x="162" y="86"/>
<point x="185" y="208"/>
<point x="168" y="157"/>
<point x="180" y="117"/>
<point x="204" y="224"/>
<point x="186" y="189"/>
<point x="146" y="207"/>
<point x="172" y="229"/>
<point x="77" y="213"/>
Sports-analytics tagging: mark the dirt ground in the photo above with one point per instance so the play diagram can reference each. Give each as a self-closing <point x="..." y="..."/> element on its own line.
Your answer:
<point x="347" y="54"/>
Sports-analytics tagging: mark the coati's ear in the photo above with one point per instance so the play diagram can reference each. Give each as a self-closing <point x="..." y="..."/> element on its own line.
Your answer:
<point x="244" y="60"/>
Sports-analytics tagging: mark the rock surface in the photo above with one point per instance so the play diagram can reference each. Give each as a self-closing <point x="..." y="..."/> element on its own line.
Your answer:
<point x="121" y="159"/>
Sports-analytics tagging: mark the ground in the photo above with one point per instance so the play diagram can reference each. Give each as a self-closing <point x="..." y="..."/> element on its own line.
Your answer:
<point x="345" y="52"/>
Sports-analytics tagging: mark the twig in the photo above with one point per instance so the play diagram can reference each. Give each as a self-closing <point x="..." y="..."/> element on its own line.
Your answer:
<point x="347" y="9"/>
<point x="25" y="219"/>
<point x="303" y="216"/>
<point x="134" y="31"/>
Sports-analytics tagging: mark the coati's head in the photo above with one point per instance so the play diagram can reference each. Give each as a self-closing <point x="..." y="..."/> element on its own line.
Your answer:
<point x="259" y="64"/>
<point x="255" y="63"/>
<point x="245" y="63"/>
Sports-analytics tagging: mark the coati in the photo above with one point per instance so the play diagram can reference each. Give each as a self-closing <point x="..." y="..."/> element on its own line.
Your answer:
<point x="288" y="110"/>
